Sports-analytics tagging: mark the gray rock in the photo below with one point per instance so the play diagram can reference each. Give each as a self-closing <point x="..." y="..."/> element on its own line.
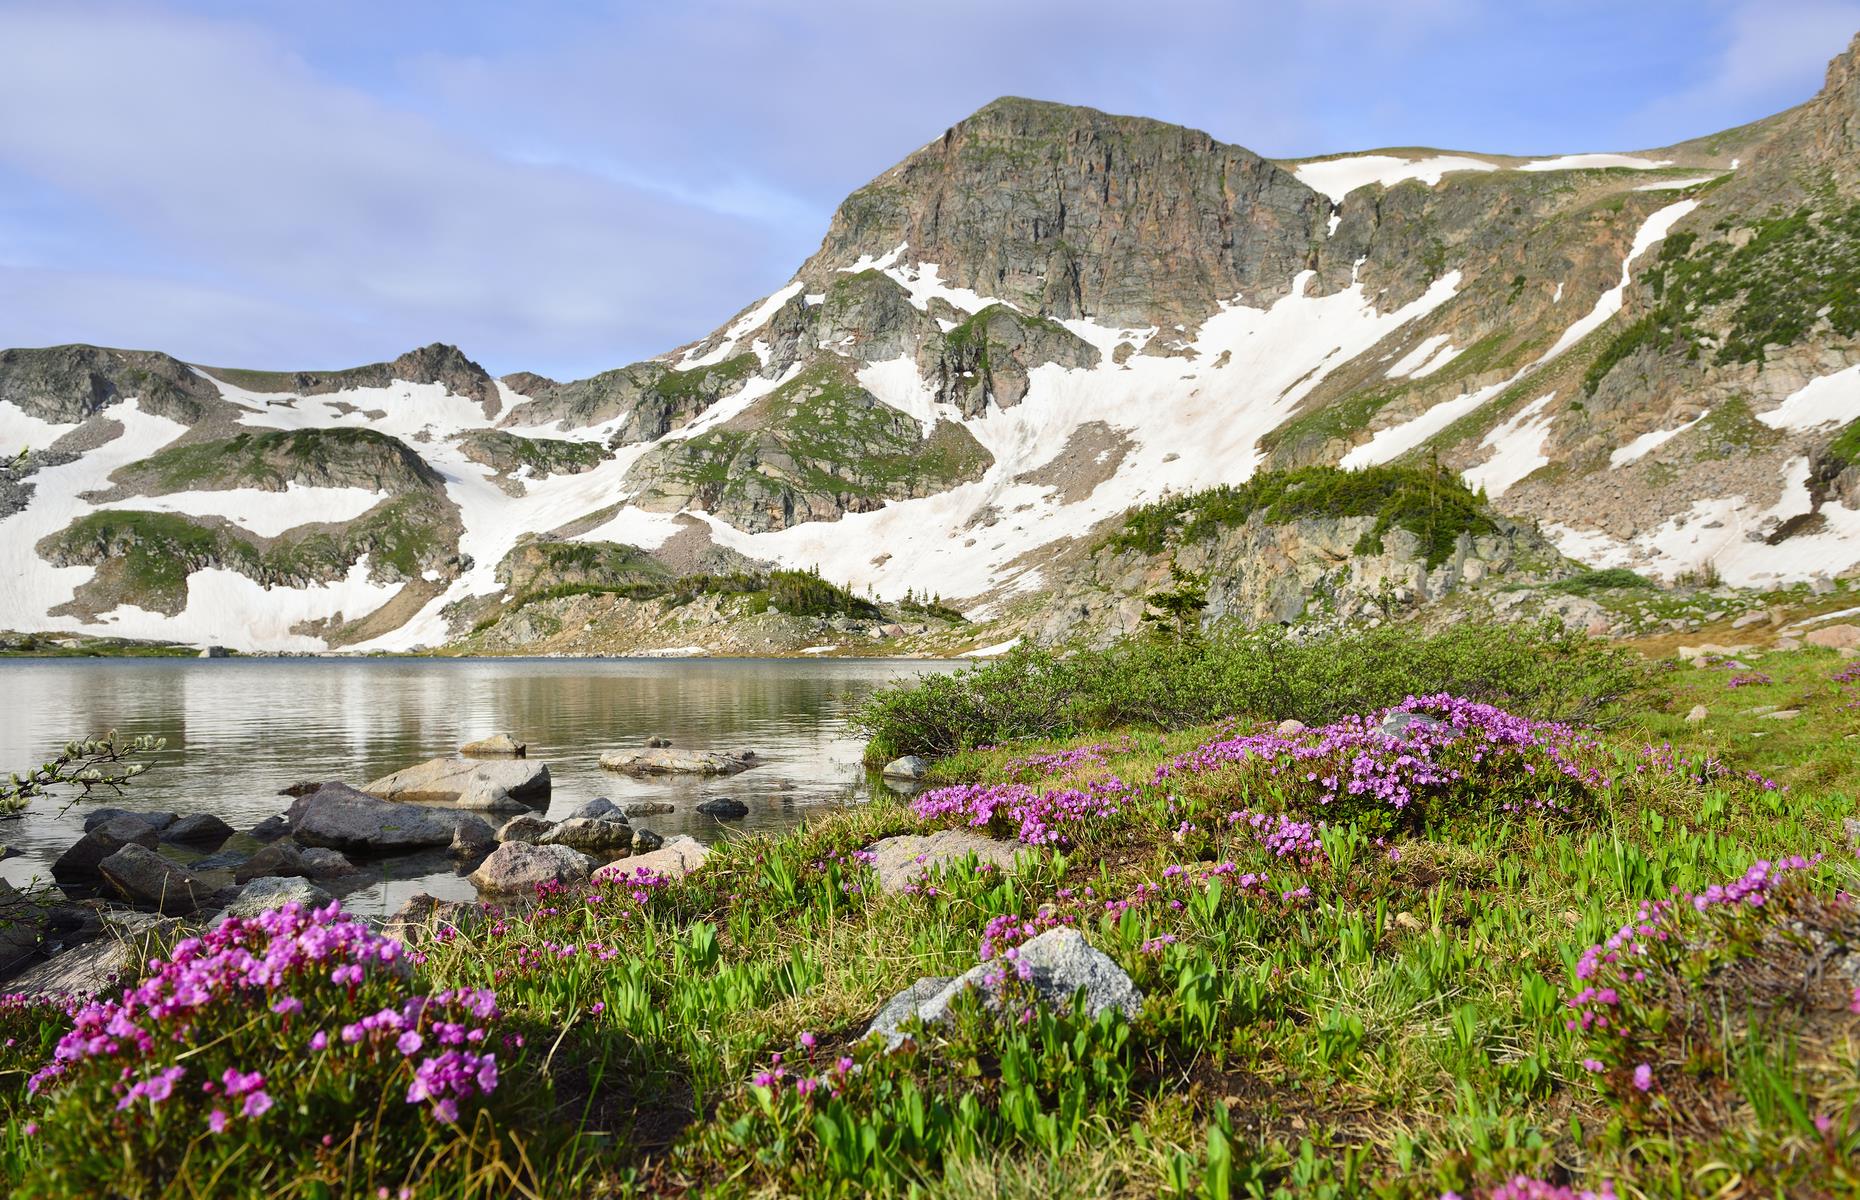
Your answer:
<point x="282" y="857"/>
<point x="647" y="808"/>
<point x="1291" y="728"/>
<point x="520" y="866"/>
<point x="320" y="862"/>
<point x="472" y="841"/>
<point x="908" y="858"/>
<point x="465" y="781"/>
<point x="263" y="895"/>
<point x="200" y="829"/>
<point x="141" y="876"/>
<point x="1851" y="827"/>
<point x="724" y="808"/>
<point x="426" y="915"/>
<point x="668" y="761"/>
<point x="157" y="821"/>
<point x="1698" y="715"/>
<point x="500" y="745"/>
<point x="658" y="741"/>
<point x="294" y="790"/>
<point x="341" y="818"/>
<point x="525" y="827"/>
<point x="272" y="828"/>
<point x="111" y="960"/>
<point x="603" y="837"/>
<point x="1063" y="965"/>
<point x="678" y="857"/>
<point x="645" y="840"/>
<point x="1404" y="726"/>
<point x="908" y="767"/>
<point x="79" y="863"/>
<point x="213" y="652"/>
<point x="487" y="796"/>
<point x="600" y="806"/>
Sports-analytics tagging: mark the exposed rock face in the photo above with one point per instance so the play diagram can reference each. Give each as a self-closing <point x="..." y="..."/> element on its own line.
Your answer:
<point x="508" y="455"/>
<point x="437" y="363"/>
<point x="668" y="760"/>
<point x="1071" y="212"/>
<point x="818" y="447"/>
<point x="341" y="818"/>
<point x="64" y="384"/>
<point x="520" y="866"/>
<point x="652" y="398"/>
<point x="1062" y="962"/>
<point x="906" y="859"/>
<point x="488" y="785"/>
<point x="987" y="357"/>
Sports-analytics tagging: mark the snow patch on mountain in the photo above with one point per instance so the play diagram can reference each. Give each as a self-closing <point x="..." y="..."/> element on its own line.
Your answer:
<point x="1647" y="443"/>
<point x="1652" y="231"/>
<point x="20" y="430"/>
<point x="1338" y="177"/>
<point x="1829" y="400"/>
<point x="1517" y="448"/>
<point x="1590" y="162"/>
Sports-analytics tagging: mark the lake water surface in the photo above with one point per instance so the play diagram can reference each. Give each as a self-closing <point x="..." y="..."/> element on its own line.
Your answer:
<point x="238" y="730"/>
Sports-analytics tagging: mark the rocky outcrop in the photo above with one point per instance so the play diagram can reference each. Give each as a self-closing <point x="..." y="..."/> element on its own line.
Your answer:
<point x="1069" y="212"/>
<point x="988" y="356"/>
<point x="644" y="401"/>
<point x="438" y="363"/>
<point x="66" y="384"/>
<point x="817" y="448"/>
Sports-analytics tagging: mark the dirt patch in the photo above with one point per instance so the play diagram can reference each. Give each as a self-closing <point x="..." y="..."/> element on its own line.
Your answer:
<point x="1090" y="456"/>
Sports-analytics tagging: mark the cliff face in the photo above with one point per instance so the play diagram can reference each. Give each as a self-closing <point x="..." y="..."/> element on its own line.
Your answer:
<point x="1069" y="212"/>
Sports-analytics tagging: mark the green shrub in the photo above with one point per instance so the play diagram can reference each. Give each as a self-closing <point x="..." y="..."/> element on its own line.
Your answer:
<point x="1542" y="671"/>
<point x="1600" y="580"/>
<point x="1434" y="505"/>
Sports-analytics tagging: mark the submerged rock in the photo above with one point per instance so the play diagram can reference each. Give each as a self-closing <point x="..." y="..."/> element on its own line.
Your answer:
<point x="520" y="866"/>
<point x="667" y="761"/>
<point x="907" y="858"/>
<point x="468" y="783"/>
<point x="1062" y="964"/>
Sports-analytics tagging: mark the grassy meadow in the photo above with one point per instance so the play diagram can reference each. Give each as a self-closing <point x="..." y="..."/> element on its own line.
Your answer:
<point x="1553" y="940"/>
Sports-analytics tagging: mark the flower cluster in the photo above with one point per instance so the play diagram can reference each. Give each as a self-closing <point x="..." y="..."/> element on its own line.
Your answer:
<point x="1037" y="818"/>
<point x="1064" y="762"/>
<point x="1748" y="679"/>
<point x="1523" y="1187"/>
<point x="286" y="968"/>
<point x="1420" y="751"/>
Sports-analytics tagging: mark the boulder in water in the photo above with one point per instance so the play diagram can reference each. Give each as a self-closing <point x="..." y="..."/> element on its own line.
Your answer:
<point x="668" y="761"/>
<point x="603" y="837"/>
<point x="141" y="876"/>
<point x="79" y="863"/>
<point x="466" y="782"/>
<point x="341" y="818"/>
<point x="908" y="767"/>
<point x="525" y="827"/>
<point x="499" y="745"/>
<point x="724" y="808"/>
<point x="200" y="829"/>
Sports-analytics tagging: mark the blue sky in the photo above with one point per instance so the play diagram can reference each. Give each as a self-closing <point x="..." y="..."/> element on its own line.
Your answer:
<point x="568" y="187"/>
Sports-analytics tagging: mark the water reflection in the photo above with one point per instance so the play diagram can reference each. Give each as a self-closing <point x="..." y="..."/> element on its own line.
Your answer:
<point x="239" y="729"/>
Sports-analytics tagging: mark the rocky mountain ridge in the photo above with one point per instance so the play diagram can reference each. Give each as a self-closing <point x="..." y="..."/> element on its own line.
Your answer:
<point x="1038" y="324"/>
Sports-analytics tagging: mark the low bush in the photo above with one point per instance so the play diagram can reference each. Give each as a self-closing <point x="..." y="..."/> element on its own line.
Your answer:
<point x="1539" y="671"/>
